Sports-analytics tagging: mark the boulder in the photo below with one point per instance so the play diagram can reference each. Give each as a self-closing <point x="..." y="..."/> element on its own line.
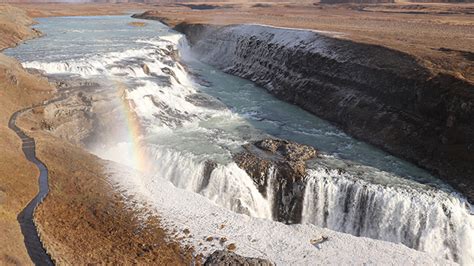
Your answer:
<point x="223" y="257"/>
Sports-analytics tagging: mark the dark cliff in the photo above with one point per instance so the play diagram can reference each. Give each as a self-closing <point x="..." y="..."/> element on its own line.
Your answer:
<point x="376" y="94"/>
<point x="278" y="169"/>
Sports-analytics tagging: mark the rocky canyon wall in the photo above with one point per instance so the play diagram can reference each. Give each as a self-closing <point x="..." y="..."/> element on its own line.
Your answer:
<point x="376" y="94"/>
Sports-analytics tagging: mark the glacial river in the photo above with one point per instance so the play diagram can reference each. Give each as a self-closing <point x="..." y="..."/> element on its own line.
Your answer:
<point x="174" y="116"/>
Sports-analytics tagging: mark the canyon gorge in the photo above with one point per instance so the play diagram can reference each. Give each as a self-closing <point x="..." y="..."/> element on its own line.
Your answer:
<point x="248" y="143"/>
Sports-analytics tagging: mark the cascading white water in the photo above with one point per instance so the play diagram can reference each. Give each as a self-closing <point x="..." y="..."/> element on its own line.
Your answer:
<point x="228" y="185"/>
<point x="428" y="220"/>
<point x="271" y="184"/>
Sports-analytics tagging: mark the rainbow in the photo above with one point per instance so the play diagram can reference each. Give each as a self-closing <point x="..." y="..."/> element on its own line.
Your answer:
<point x="138" y="154"/>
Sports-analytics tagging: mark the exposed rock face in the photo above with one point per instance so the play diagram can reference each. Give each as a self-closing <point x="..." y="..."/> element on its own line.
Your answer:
<point x="278" y="169"/>
<point x="193" y="32"/>
<point x="221" y="257"/>
<point x="72" y="119"/>
<point x="376" y="94"/>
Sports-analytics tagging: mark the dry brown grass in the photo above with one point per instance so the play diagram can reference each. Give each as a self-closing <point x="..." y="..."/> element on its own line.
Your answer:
<point x="36" y="10"/>
<point x="18" y="89"/>
<point x="14" y="26"/>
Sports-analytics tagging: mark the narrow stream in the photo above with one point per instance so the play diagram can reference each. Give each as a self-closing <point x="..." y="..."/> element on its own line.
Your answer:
<point x="174" y="118"/>
<point x="32" y="240"/>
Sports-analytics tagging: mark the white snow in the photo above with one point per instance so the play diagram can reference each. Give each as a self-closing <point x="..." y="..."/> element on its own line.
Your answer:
<point x="327" y="33"/>
<point x="220" y="47"/>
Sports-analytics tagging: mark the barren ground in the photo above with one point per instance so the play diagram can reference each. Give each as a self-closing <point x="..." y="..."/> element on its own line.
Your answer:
<point x="58" y="9"/>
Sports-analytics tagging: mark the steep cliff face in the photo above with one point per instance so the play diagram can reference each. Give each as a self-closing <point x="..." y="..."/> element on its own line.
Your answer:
<point x="379" y="95"/>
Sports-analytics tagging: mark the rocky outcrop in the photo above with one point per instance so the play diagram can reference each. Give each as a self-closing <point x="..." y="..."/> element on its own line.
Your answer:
<point x="278" y="169"/>
<point x="376" y="94"/>
<point x="194" y="32"/>
<point x="222" y="257"/>
<point x="70" y="119"/>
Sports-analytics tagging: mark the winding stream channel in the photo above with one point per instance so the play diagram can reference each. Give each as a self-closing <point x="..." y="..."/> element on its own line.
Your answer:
<point x="33" y="244"/>
<point x="170" y="118"/>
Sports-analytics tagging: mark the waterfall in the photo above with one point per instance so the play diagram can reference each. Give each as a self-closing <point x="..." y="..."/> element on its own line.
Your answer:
<point x="428" y="220"/>
<point x="224" y="184"/>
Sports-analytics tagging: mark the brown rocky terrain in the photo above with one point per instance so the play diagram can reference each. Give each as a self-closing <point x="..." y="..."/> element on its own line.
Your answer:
<point x="15" y="26"/>
<point x="35" y="10"/>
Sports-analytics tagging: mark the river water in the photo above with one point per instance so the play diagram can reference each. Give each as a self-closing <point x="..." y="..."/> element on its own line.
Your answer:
<point x="175" y="117"/>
